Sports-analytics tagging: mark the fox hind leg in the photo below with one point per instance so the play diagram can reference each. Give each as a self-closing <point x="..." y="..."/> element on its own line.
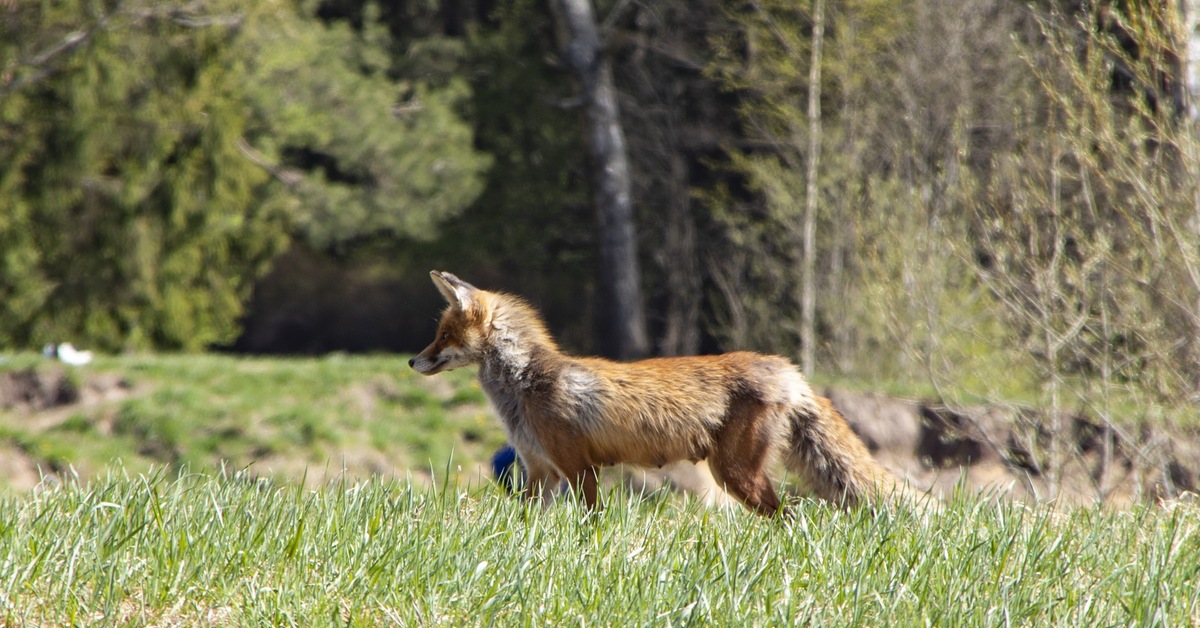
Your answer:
<point x="750" y="486"/>
<point x="744" y="447"/>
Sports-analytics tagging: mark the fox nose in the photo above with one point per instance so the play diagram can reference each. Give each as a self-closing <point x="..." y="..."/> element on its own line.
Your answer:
<point x="411" y="362"/>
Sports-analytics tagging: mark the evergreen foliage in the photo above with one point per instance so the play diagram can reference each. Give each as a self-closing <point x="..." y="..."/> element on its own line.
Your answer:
<point x="143" y="146"/>
<point x="374" y="146"/>
<point x="136" y="221"/>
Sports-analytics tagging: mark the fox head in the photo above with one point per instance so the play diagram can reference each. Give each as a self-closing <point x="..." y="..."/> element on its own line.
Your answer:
<point x="462" y="332"/>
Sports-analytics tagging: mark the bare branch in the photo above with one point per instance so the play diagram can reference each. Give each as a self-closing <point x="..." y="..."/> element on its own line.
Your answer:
<point x="207" y="21"/>
<point x="402" y="110"/>
<point x="617" y="38"/>
<point x="72" y="41"/>
<point x="614" y="14"/>
<point x="36" y="65"/>
<point x="288" y="176"/>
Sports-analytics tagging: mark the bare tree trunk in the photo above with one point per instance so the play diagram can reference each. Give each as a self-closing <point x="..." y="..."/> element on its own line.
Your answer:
<point x="808" y="304"/>
<point x="681" y="332"/>
<point x="620" y="320"/>
<point x="1048" y="293"/>
<point x="1190" y="14"/>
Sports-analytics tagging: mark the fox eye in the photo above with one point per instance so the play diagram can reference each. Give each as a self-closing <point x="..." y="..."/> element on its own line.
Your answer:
<point x="445" y="335"/>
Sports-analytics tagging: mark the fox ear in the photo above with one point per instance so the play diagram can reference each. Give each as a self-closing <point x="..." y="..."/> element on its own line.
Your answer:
<point x="457" y="292"/>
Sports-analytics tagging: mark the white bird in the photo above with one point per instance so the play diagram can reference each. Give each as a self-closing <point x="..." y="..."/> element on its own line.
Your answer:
<point x="70" y="355"/>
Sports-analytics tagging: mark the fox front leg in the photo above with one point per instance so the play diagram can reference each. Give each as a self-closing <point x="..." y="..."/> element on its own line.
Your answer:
<point x="540" y="477"/>
<point x="584" y="483"/>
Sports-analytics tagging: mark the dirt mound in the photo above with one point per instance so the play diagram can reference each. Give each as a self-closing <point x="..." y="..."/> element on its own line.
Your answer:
<point x="1008" y="450"/>
<point x="41" y="389"/>
<point x="44" y="398"/>
<point x="21" y="472"/>
<point x="36" y="389"/>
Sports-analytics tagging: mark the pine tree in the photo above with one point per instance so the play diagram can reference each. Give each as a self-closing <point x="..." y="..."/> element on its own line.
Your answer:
<point x="156" y="159"/>
<point x="136" y="222"/>
<point x="370" y="146"/>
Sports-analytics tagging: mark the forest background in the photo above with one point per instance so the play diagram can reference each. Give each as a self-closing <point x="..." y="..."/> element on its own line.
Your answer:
<point x="994" y="199"/>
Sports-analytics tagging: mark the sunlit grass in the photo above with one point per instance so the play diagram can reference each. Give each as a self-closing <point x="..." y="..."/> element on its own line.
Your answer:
<point x="174" y="533"/>
<point x="208" y="412"/>
<point x="202" y="549"/>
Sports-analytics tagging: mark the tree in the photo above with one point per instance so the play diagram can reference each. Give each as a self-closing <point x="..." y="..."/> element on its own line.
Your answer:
<point x="678" y="123"/>
<point x="157" y="159"/>
<point x="529" y="231"/>
<point x="808" y="337"/>
<point x="369" y="144"/>
<point x="621" y="320"/>
<point x="135" y="220"/>
<point x="897" y="90"/>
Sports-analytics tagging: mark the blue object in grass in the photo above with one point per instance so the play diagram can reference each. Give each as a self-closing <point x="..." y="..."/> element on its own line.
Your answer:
<point x="505" y="468"/>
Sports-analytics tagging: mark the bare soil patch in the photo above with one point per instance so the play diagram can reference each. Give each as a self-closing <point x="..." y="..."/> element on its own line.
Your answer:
<point x="1004" y="451"/>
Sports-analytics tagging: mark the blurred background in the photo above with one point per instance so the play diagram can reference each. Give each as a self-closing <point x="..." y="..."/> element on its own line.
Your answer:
<point x="993" y="199"/>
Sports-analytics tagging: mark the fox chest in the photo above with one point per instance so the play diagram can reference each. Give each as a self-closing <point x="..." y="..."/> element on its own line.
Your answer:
<point x="528" y="407"/>
<point x="507" y="395"/>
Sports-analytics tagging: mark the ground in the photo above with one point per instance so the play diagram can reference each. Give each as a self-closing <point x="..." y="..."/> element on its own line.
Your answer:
<point x="318" y="419"/>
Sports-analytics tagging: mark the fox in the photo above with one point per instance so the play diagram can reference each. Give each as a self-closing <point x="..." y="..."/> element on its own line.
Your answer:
<point x="568" y="416"/>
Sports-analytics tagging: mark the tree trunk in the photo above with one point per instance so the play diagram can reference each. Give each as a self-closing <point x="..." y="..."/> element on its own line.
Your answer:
<point x="808" y="305"/>
<point x="1190" y="14"/>
<point x="620" y="320"/>
<point x="681" y="331"/>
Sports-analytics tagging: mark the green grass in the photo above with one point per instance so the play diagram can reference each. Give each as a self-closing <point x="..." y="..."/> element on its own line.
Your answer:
<point x="165" y="514"/>
<point x="199" y="549"/>
<point x="288" y="417"/>
<point x="278" y="416"/>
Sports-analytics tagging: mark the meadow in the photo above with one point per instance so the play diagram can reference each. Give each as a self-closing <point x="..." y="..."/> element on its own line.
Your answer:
<point x="175" y="537"/>
<point x="217" y="550"/>
<point x="310" y="419"/>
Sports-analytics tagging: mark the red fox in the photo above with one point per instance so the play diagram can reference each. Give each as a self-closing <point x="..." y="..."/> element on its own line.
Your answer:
<point x="567" y="416"/>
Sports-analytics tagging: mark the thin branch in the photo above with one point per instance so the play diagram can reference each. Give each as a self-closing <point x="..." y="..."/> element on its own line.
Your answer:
<point x="640" y="41"/>
<point x="613" y="15"/>
<point x="288" y="176"/>
<point x="74" y="40"/>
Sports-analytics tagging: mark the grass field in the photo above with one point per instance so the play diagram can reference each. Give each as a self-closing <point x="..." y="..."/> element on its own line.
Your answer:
<point x="206" y="550"/>
<point x="192" y="528"/>
<point x="278" y="417"/>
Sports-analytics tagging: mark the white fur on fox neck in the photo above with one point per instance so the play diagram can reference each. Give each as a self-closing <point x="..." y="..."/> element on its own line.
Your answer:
<point x="511" y="353"/>
<point x="505" y="368"/>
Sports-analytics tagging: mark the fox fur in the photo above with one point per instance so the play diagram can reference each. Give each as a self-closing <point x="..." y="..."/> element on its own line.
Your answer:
<point x="567" y="416"/>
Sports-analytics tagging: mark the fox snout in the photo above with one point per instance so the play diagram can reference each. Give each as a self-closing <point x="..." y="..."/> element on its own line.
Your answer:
<point x="434" y="360"/>
<point x="424" y="365"/>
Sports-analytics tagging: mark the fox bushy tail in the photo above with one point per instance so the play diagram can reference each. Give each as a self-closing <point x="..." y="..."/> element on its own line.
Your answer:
<point x="833" y="461"/>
